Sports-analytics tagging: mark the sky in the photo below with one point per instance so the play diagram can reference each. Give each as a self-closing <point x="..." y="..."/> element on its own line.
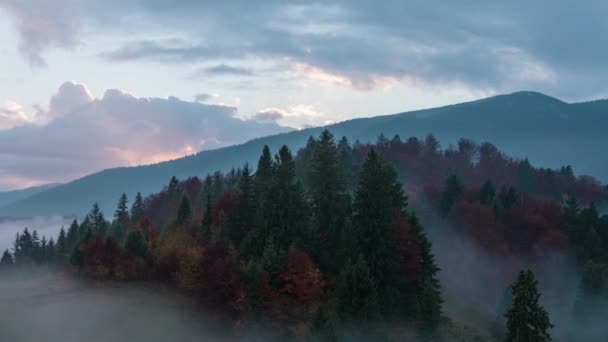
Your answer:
<point x="87" y="85"/>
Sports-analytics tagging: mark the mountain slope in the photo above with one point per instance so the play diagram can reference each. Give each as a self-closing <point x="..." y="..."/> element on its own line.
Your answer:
<point x="524" y="124"/>
<point x="8" y="197"/>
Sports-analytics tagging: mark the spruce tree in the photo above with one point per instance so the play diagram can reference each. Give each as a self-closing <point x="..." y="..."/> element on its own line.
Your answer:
<point x="246" y="207"/>
<point x="205" y="235"/>
<point x="72" y="237"/>
<point x="429" y="291"/>
<point x="322" y="328"/>
<point x="356" y="293"/>
<point x="329" y="201"/>
<point x="121" y="214"/>
<point x="62" y="244"/>
<point x="98" y="220"/>
<point x="262" y="183"/>
<point x="527" y="320"/>
<point x="137" y="209"/>
<point x="6" y="261"/>
<point x="451" y="193"/>
<point x="184" y="212"/>
<point x="379" y="202"/>
<point x="136" y="243"/>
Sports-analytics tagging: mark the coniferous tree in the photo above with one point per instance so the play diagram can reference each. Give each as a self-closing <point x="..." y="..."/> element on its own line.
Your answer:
<point x="62" y="244"/>
<point x="184" y="212"/>
<point x="591" y="302"/>
<point x="72" y="237"/>
<point x="527" y="320"/>
<point x="263" y="182"/>
<point x="6" y="261"/>
<point x="51" y="251"/>
<point x="98" y="220"/>
<point x="121" y="219"/>
<point x="452" y="191"/>
<point x="429" y="291"/>
<point x="356" y="293"/>
<point x="207" y="221"/>
<point x="136" y="243"/>
<point x="246" y="206"/>
<point x="329" y="201"/>
<point x="137" y="209"/>
<point x="379" y="202"/>
<point x="173" y="187"/>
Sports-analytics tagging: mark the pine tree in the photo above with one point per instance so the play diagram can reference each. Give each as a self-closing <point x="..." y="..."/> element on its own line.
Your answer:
<point x="262" y="183"/>
<point x="451" y="193"/>
<point x="136" y="243"/>
<point x="6" y="261"/>
<point x="429" y="291"/>
<point x="356" y="293"/>
<point x="527" y="320"/>
<point x="328" y="199"/>
<point x="51" y="251"/>
<point x="137" y="209"/>
<point x="591" y="301"/>
<point x="72" y="237"/>
<point x="173" y="186"/>
<point x="122" y="212"/>
<point x="379" y="202"/>
<point x="184" y="212"/>
<point x="205" y="235"/>
<point x="98" y="220"/>
<point x="62" y="244"/>
<point x="246" y="206"/>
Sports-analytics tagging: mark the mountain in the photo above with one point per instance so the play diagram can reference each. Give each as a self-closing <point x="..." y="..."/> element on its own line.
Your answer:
<point x="8" y="197"/>
<point x="523" y="124"/>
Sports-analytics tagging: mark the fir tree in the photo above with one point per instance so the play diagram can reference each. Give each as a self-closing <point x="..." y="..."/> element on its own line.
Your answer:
<point x="379" y="202"/>
<point x="72" y="237"/>
<point x="184" y="212"/>
<point x="62" y="244"/>
<point x="136" y="243"/>
<point x="527" y="320"/>
<point x="451" y="193"/>
<point x="6" y="261"/>
<point x="137" y="209"/>
<point x="429" y="291"/>
<point x="246" y="206"/>
<point x="98" y="220"/>
<point x="322" y="328"/>
<point x="356" y="293"/>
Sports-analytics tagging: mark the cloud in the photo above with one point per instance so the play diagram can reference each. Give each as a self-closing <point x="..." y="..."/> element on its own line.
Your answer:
<point x="12" y="115"/>
<point x="269" y="115"/>
<point x="86" y="134"/>
<point x="357" y="44"/>
<point x="44" y="24"/>
<point x="297" y="116"/>
<point x="202" y="97"/>
<point x="224" y="69"/>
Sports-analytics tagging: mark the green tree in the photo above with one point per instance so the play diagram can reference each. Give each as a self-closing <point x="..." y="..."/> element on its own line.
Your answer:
<point x="137" y="209"/>
<point x="246" y="206"/>
<point x="98" y="220"/>
<point x="451" y="193"/>
<point x="527" y="320"/>
<point x="136" y="243"/>
<point x="429" y="290"/>
<point x="72" y="237"/>
<point x="184" y="212"/>
<point x="6" y="261"/>
<point x="356" y="293"/>
<point x="121" y="219"/>
<point x="62" y="244"/>
<point x="379" y="203"/>
<point x="329" y="201"/>
<point x="322" y="328"/>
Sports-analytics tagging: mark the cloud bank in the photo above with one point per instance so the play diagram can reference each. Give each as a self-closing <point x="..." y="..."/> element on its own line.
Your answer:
<point x="80" y="134"/>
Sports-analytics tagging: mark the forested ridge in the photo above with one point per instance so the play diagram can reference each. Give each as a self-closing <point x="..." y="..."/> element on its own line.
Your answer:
<point x="329" y="244"/>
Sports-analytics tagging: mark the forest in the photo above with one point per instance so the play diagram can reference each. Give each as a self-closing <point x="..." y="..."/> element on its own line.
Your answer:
<point x="336" y="242"/>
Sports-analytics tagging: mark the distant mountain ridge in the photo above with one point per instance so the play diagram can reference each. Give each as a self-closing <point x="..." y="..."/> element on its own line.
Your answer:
<point x="547" y="130"/>
<point x="8" y="197"/>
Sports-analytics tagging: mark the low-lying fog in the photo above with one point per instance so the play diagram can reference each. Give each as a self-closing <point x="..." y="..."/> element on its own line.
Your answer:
<point x="47" y="226"/>
<point x="53" y="307"/>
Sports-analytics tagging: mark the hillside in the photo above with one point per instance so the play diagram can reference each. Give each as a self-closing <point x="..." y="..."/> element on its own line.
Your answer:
<point x="522" y="124"/>
<point x="8" y="197"/>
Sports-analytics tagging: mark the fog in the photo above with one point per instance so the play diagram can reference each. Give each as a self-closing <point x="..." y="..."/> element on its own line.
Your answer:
<point x="47" y="306"/>
<point x="45" y="226"/>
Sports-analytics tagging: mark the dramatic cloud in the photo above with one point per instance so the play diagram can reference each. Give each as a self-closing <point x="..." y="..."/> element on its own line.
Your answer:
<point x="299" y="116"/>
<point x="548" y="46"/>
<point x="118" y="129"/>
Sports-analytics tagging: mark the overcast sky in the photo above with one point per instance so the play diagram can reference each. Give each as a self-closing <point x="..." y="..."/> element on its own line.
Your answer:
<point x="86" y="85"/>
